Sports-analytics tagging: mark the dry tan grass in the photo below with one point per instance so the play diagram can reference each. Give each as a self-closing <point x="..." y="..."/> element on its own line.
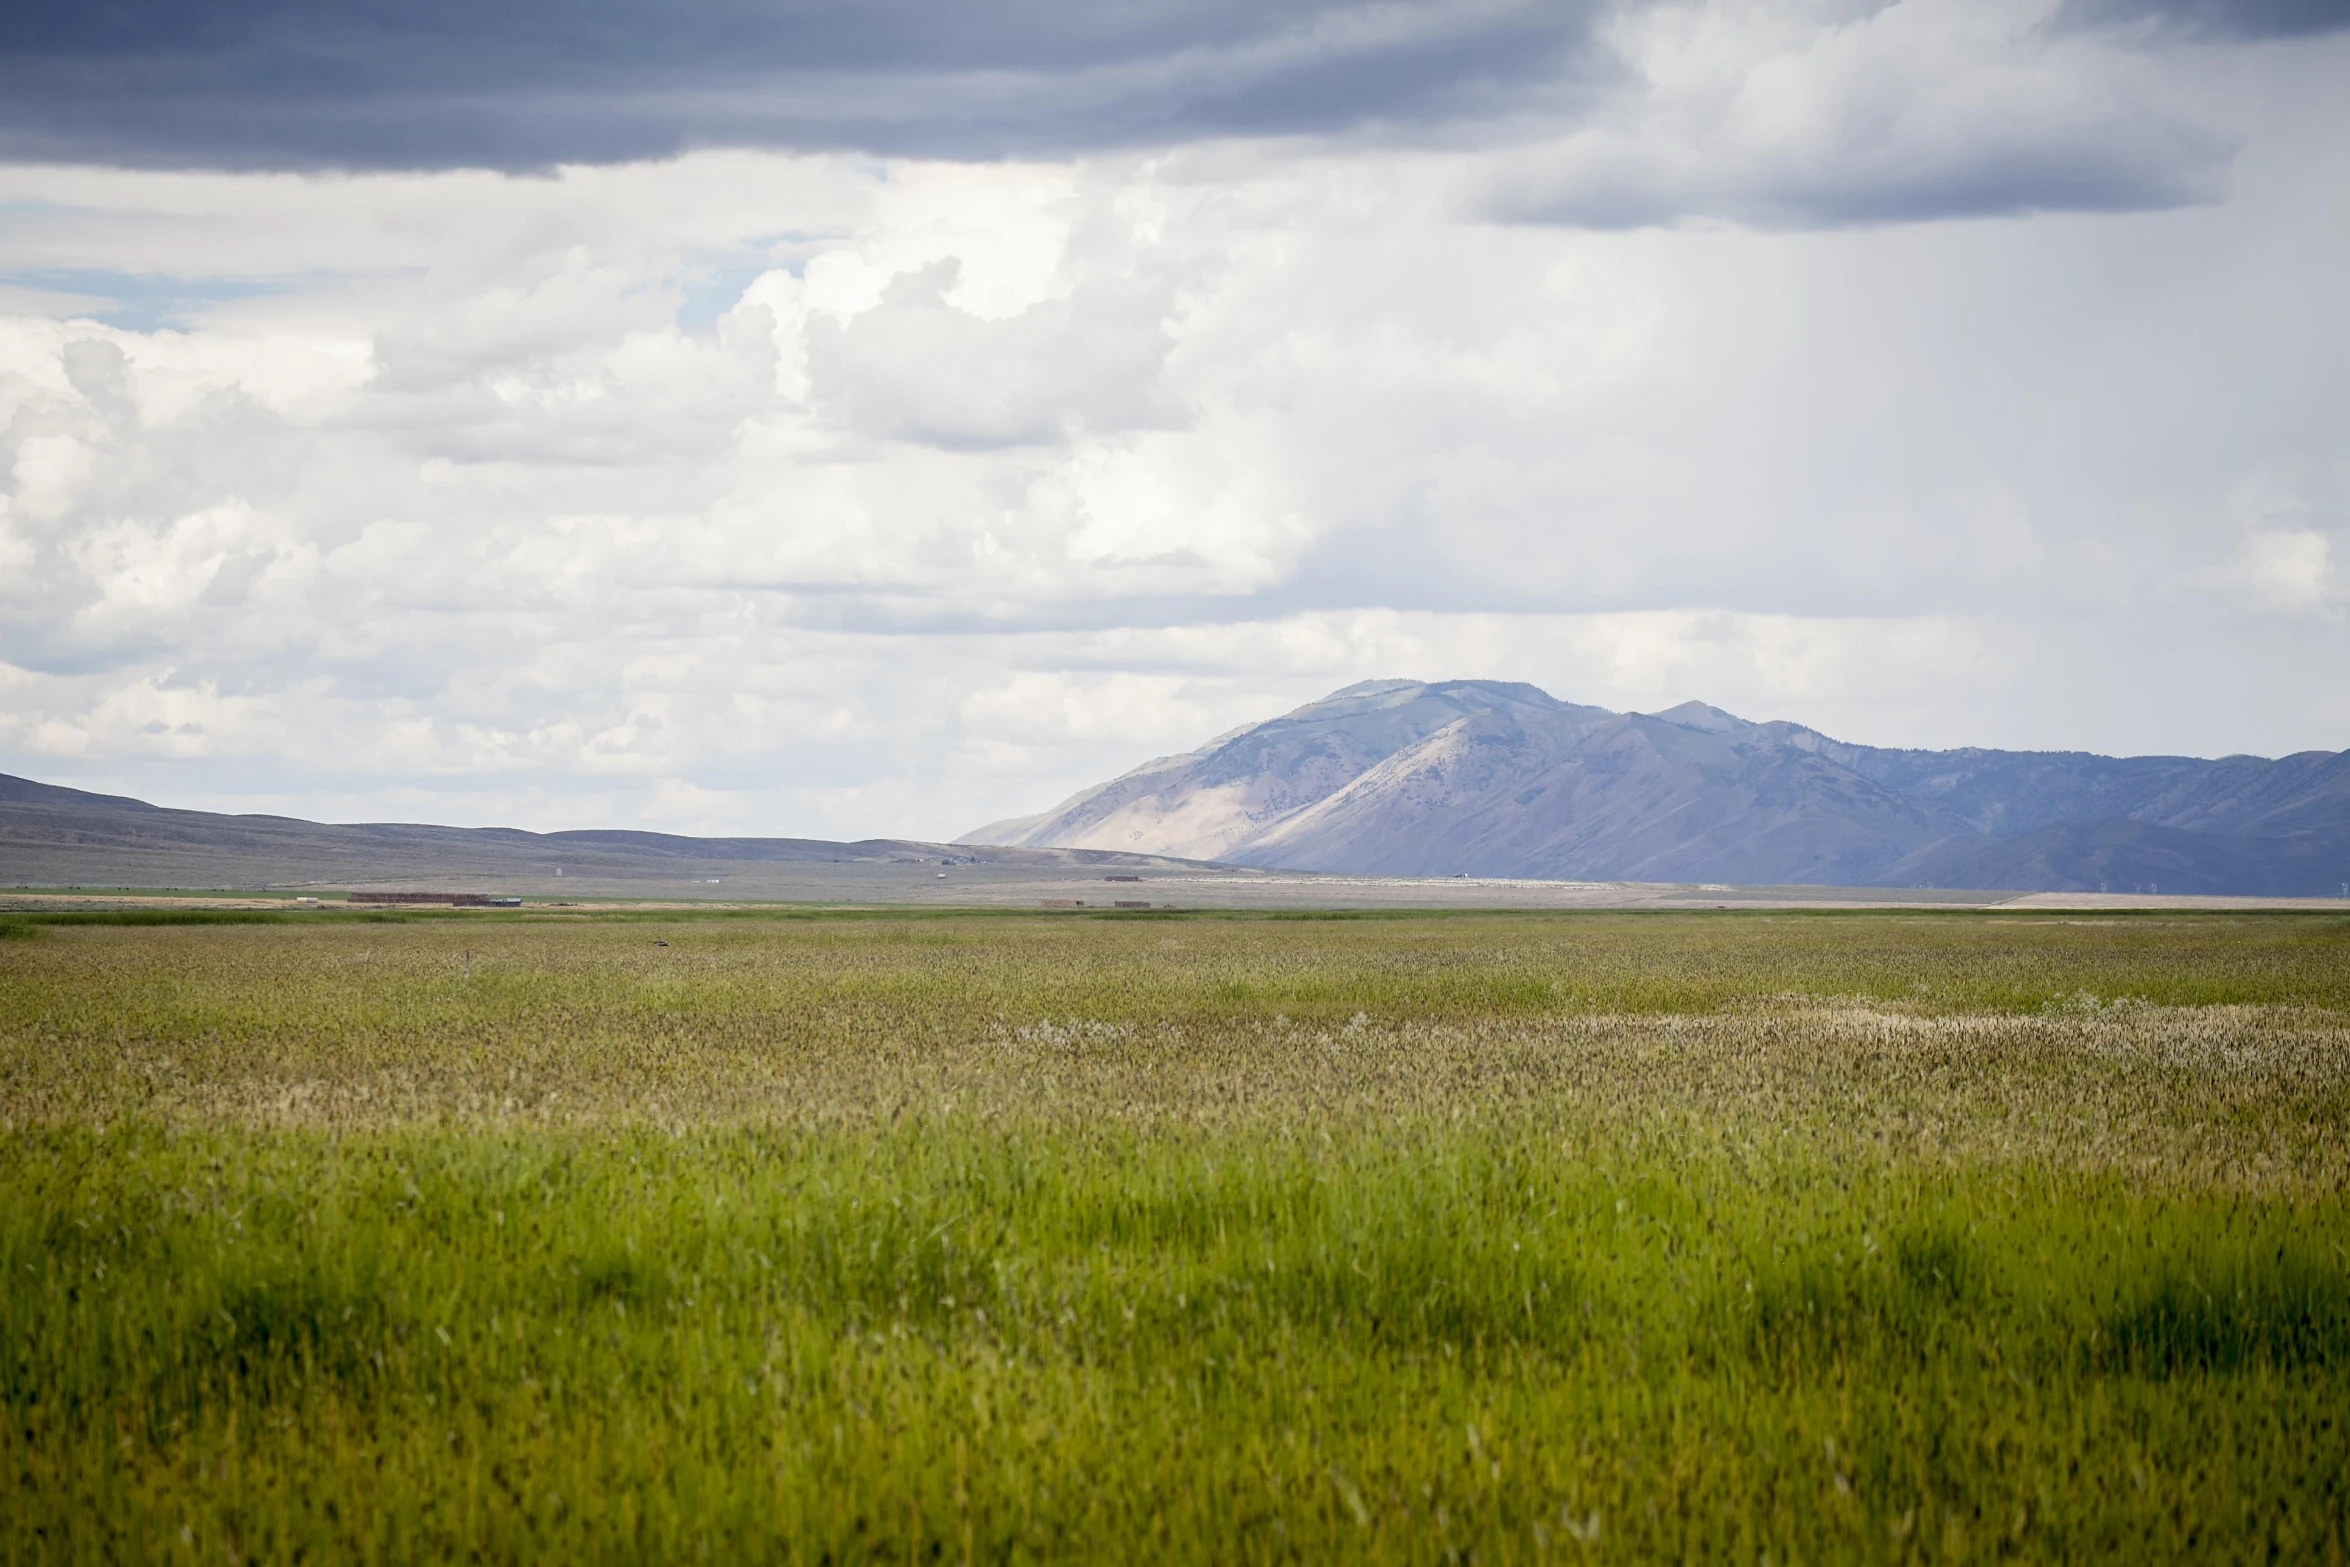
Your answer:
<point x="379" y="1027"/>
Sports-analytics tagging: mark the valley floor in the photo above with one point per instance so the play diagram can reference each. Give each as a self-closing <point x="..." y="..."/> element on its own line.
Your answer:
<point x="883" y="888"/>
<point x="1820" y="1235"/>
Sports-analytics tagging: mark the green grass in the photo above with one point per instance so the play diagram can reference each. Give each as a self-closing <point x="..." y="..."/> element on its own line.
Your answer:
<point x="1221" y="1239"/>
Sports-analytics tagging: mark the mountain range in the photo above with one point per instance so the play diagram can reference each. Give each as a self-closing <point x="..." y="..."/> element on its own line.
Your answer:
<point x="53" y="836"/>
<point x="1493" y="778"/>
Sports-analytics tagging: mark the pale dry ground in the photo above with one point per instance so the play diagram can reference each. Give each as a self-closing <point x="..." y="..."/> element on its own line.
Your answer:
<point x="993" y="886"/>
<point x="1001" y="887"/>
<point x="2119" y="902"/>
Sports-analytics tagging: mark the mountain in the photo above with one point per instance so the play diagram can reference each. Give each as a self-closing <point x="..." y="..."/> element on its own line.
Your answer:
<point x="1488" y="778"/>
<point x="55" y="836"/>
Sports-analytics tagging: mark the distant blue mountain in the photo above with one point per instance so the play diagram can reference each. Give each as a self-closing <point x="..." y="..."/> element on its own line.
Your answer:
<point x="53" y="836"/>
<point x="1404" y="777"/>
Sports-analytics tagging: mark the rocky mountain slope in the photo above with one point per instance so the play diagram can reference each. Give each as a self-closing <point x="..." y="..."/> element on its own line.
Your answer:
<point x="1486" y="778"/>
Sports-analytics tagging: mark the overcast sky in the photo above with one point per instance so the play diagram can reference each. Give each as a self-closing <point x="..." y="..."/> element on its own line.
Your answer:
<point x="837" y="420"/>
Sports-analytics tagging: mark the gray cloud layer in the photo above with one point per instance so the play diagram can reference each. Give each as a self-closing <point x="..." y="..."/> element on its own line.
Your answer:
<point x="1900" y="135"/>
<point x="266" y="84"/>
<point x="2240" y="19"/>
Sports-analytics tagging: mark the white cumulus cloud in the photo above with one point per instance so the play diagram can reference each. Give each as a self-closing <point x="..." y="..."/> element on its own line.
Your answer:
<point x="839" y="495"/>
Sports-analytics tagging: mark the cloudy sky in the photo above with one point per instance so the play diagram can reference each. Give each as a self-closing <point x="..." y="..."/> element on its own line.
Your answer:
<point x="808" y="418"/>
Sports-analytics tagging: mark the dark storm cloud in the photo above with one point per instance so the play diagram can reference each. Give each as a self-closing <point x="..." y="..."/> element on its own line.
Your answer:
<point x="2120" y="168"/>
<point x="2231" y="19"/>
<point x="1914" y="128"/>
<point x="263" y="83"/>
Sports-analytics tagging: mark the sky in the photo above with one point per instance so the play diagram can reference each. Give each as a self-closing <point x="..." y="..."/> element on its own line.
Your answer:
<point x="762" y="416"/>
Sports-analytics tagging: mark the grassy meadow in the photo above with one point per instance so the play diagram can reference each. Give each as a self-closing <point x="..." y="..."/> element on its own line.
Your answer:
<point x="1072" y="1237"/>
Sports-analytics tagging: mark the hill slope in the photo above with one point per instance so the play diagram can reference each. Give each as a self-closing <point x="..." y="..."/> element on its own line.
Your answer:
<point x="54" y="836"/>
<point x="1398" y="777"/>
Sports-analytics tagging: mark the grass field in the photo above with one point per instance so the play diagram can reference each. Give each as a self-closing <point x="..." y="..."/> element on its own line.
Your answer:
<point x="1798" y="1237"/>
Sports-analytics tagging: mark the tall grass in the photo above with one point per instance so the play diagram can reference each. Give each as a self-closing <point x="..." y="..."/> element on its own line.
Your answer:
<point x="1029" y="1240"/>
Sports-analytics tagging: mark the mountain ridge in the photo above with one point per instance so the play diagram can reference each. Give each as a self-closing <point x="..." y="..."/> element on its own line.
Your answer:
<point x="1492" y="778"/>
<point x="54" y="835"/>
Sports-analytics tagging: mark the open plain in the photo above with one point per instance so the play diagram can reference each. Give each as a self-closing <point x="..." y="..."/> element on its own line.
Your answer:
<point x="905" y="1234"/>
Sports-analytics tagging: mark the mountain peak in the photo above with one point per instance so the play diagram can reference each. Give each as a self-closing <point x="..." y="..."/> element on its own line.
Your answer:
<point x="1499" y="778"/>
<point x="1466" y="695"/>
<point x="1697" y="715"/>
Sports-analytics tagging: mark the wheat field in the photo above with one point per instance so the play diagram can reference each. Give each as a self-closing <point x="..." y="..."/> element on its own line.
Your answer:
<point x="1228" y="1238"/>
